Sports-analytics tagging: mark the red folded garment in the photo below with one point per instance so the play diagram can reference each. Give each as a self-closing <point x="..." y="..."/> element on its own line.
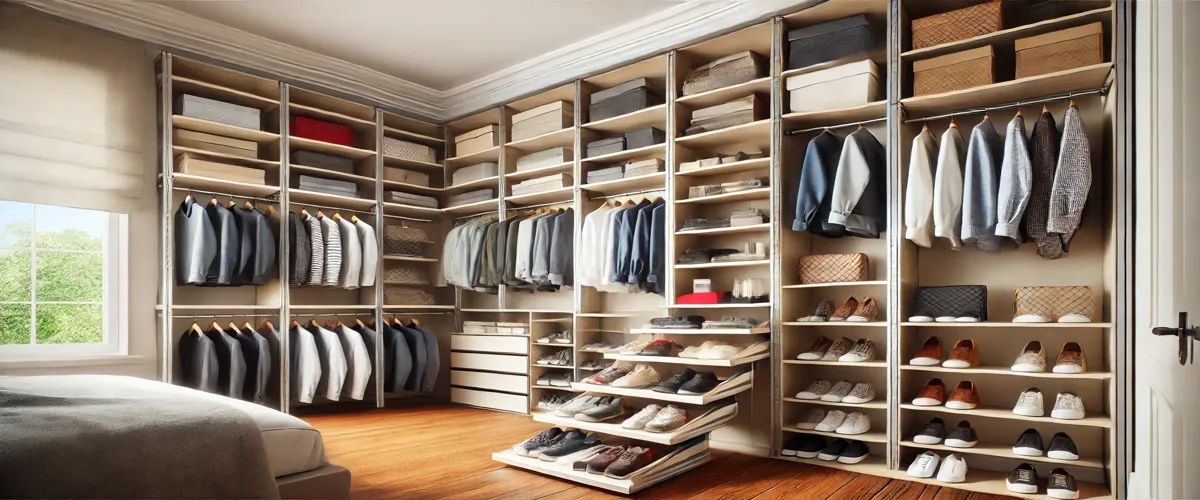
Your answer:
<point x="703" y="298"/>
<point x="323" y="131"/>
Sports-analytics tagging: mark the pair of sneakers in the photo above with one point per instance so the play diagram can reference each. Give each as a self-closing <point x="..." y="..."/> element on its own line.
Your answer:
<point x="551" y="402"/>
<point x="851" y="310"/>
<point x="711" y="349"/>
<point x="563" y="337"/>
<point x="562" y="357"/>
<point x="963" y="435"/>
<point x="1030" y="444"/>
<point x="846" y="451"/>
<point x="1067" y="406"/>
<point x="841" y="392"/>
<point x="842" y="350"/>
<point x="655" y="418"/>
<point x="689" y="382"/>
<point x="835" y="421"/>
<point x="1024" y="479"/>
<point x="1032" y="359"/>
<point x="951" y="470"/>
<point x="554" y="443"/>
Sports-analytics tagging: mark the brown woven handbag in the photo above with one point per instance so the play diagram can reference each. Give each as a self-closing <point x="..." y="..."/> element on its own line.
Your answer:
<point x="1054" y="302"/>
<point x="833" y="268"/>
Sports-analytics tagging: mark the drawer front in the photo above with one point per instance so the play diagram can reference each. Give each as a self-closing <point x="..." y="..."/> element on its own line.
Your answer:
<point x="490" y="343"/>
<point x="493" y="400"/>
<point x="490" y="362"/>
<point x="491" y="381"/>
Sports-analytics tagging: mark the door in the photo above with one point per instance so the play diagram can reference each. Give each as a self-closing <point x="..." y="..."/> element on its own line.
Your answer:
<point x="1166" y="425"/>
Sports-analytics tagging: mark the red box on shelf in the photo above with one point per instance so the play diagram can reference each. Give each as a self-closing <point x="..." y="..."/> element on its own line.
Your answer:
<point x="323" y="131"/>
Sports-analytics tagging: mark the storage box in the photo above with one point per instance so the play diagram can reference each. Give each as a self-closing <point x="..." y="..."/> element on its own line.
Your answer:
<point x="1060" y="50"/>
<point x="540" y="184"/>
<point x="736" y="112"/>
<point x="472" y="197"/>
<point x="957" y="71"/>
<point x="397" y="148"/>
<point x="623" y="99"/>
<point x="480" y="139"/>
<point x="186" y="163"/>
<point x="473" y="173"/>
<point x="606" y="146"/>
<point x="323" y="161"/>
<point x="214" y="143"/>
<point x="606" y="174"/>
<point x="641" y="138"/>
<point x="957" y="25"/>
<point x="405" y="176"/>
<point x="726" y="71"/>
<point x="545" y="158"/>
<point x="833" y="40"/>
<point x="218" y="111"/>
<point x="320" y="130"/>
<point x="412" y="199"/>
<point x="842" y="86"/>
<point x="542" y="120"/>
<point x="327" y="186"/>
<point x="644" y="167"/>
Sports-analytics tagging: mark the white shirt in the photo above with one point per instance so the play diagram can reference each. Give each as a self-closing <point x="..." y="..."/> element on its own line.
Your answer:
<point x="306" y="366"/>
<point x="329" y="346"/>
<point x="359" y="361"/>
<point x="589" y="268"/>
<point x="333" y="251"/>
<point x="351" y="254"/>
<point x="524" y="262"/>
<point x="370" y="253"/>
<point x="948" y="188"/>
<point x="918" y="195"/>
<point x="849" y="183"/>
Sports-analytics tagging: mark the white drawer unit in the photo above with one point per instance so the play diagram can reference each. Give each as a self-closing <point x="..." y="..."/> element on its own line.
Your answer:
<point x="518" y="384"/>
<point x="503" y="363"/>
<point x="490" y="343"/>
<point x="493" y="400"/>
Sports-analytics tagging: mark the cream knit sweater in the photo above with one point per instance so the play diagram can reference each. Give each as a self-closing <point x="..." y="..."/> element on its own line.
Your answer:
<point x="918" y="194"/>
<point x="948" y="187"/>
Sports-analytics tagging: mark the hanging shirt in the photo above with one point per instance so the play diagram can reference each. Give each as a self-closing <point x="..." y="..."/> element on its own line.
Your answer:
<point x="305" y="364"/>
<point x="258" y="364"/>
<point x="948" y="188"/>
<point x="317" y="251"/>
<point x="230" y="362"/>
<point x="639" y="256"/>
<point x="333" y="363"/>
<point x="1072" y="180"/>
<point x="358" y="363"/>
<point x="980" y="188"/>
<point x="275" y="348"/>
<point x="198" y="362"/>
<point x="591" y="242"/>
<point x="300" y="251"/>
<point x="331" y="234"/>
<point x="814" y="192"/>
<point x="1016" y="180"/>
<point x="858" y="189"/>
<point x="918" y="195"/>
<point x="226" y="264"/>
<point x="398" y="359"/>
<point x="624" y="233"/>
<point x="562" y="250"/>
<point x="370" y="253"/>
<point x="420" y="357"/>
<point x="1043" y="156"/>
<point x="351" y="254"/>
<point x="658" y="251"/>
<point x="195" y="243"/>
<point x="433" y="358"/>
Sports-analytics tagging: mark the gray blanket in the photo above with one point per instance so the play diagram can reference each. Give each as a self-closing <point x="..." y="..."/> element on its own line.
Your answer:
<point x="58" y="442"/>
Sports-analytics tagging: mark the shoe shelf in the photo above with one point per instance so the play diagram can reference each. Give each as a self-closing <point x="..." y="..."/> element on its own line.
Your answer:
<point x="1003" y="370"/>
<point x="700" y="331"/>
<point x="665" y="468"/>
<point x="741" y="360"/>
<point x="997" y="450"/>
<point x="864" y="364"/>
<point x="991" y="324"/>
<point x="866" y="437"/>
<point x="552" y="388"/>
<point x="871" y="405"/>
<point x="551" y="344"/>
<point x="556" y="367"/>
<point x="992" y="482"/>
<point x="1006" y="413"/>
<point x="836" y="323"/>
<point x="872" y="465"/>
<point x="837" y="284"/>
<point x="703" y="424"/>
<point x="736" y="384"/>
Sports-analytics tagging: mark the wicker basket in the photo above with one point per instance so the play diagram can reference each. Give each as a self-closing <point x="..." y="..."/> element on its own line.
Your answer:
<point x="404" y="296"/>
<point x="833" y="268"/>
<point x="957" y="25"/>
<point x="1060" y="50"/>
<point x="406" y="275"/>
<point x="957" y="71"/>
<point x="1054" y="302"/>
<point x="405" y="239"/>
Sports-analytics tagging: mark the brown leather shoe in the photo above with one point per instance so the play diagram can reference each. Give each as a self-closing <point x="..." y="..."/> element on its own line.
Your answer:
<point x="1070" y="359"/>
<point x="934" y="394"/>
<point x="631" y="461"/>
<point x="964" y="355"/>
<point x="964" y="397"/>
<point x="847" y="308"/>
<point x="601" y="460"/>
<point x="930" y="353"/>
<point x="868" y="310"/>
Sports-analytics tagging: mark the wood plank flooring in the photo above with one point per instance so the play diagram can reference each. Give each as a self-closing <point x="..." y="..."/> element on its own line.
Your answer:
<point x="444" y="451"/>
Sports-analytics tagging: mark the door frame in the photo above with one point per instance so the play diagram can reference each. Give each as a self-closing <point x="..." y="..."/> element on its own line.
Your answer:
<point x="1125" y="194"/>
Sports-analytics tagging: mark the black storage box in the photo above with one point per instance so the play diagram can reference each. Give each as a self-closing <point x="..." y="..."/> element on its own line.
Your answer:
<point x="829" y="41"/>
<point x="641" y="138"/>
<point x="622" y="99"/>
<point x="605" y="146"/>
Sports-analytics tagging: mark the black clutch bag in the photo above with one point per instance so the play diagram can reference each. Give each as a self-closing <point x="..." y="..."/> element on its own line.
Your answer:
<point x="958" y="303"/>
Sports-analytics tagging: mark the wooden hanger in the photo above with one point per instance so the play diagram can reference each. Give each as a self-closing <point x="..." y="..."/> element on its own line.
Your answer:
<point x="336" y="216"/>
<point x="230" y="205"/>
<point x="196" y="329"/>
<point x="294" y="323"/>
<point x="188" y="198"/>
<point x="354" y="219"/>
<point x="233" y="328"/>
<point x="268" y="326"/>
<point x="952" y="124"/>
<point x="1071" y="103"/>
<point x="359" y="323"/>
<point x="396" y="321"/>
<point x="925" y="128"/>
<point x="320" y="214"/>
<point x="329" y="325"/>
<point x="304" y="211"/>
<point x="1018" y="112"/>
<point x="314" y="325"/>
<point x="247" y="326"/>
<point x="1045" y="109"/>
<point x="249" y="206"/>
<point x="415" y="321"/>
<point x="216" y="327"/>
<point x="212" y="201"/>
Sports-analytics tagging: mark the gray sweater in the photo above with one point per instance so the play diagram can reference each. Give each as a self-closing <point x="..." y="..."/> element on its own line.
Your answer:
<point x="980" y="187"/>
<point x="1016" y="179"/>
<point x="1043" y="155"/>
<point x="1072" y="179"/>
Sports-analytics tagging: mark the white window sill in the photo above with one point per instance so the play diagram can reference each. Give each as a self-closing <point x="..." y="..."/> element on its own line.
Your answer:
<point x="72" y="361"/>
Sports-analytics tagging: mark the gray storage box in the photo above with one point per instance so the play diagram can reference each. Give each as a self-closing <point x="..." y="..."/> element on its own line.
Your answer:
<point x="830" y="41"/>
<point x="641" y="138"/>
<point x="397" y="148"/>
<point x="320" y="160"/>
<point x="327" y="186"/>
<point x="623" y="99"/>
<point x="553" y="156"/>
<point x="606" y="146"/>
<point x="218" y="111"/>
<point x="540" y="184"/>
<point x="724" y="72"/>
<point x="473" y="173"/>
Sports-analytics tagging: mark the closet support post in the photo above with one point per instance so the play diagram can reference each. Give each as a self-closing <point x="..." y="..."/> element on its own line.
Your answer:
<point x="377" y="363"/>
<point x="285" y="289"/>
<point x="895" y="239"/>
<point x="778" y="32"/>
<point x="167" y="266"/>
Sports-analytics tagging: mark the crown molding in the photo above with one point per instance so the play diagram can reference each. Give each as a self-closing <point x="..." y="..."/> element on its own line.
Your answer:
<point x="167" y="27"/>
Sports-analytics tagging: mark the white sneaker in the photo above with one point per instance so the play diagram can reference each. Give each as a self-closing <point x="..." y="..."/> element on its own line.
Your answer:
<point x="690" y="352"/>
<point x="811" y="418"/>
<point x="855" y="423"/>
<point x="832" y="421"/>
<point x="817" y="351"/>
<point x="815" y="390"/>
<point x="719" y="351"/>
<point x="668" y="420"/>
<point x="1030" y="403"/>
<point x="1032" y="358"/>
<point x="837" y="392"/>
<point x="839" y="347"/>
<point x="925" y="465"/>
<point x="953" y="470"/>
<point x="864" y="350"/>
<point x="641" y="376"/>
<point x="1067" y="406"/>
<point x="640" y="419"/>
<point x="634" y="347"/>
<point x="861" y="393"/>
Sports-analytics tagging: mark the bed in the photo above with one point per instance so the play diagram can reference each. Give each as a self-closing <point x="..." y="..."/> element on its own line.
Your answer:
<point x="294" y="451"/>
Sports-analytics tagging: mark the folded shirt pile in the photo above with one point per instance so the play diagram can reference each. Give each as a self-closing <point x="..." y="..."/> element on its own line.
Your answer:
<point x="698" y="224"/>
<point x="472" y="197"/>
<point x="751" y="251"/>
<point x="691" y="166"/>
<point x="677" y="322"/>
<point x="328" y="186"/>
<point x="747" y="217"/>
<point x="606" y="174"/>
<point x="703" y="255"/>
<point x="412" y="199"/>
<point x="732" y="113"/>
<point x="733" y="322"/>
<point x="727" y="187"/>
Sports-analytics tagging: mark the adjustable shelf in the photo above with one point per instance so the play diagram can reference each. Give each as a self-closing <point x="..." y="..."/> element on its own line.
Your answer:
<point x="745" y="133"/>
<point x="739" y="383"/>
<point x="1006" y="413"/>
<point x="749" y="194"/>
<point x="877" y="324"/>
<point x="329" y="148"/>
<point x="866" y="437"/>
<point x="514" y="177"/>
<point x="227" y="158"/>
<point x="665" y="468"/>
<point x="755" y="228"/>
<point x="700" y="331"/>
<point x="627" y="154"/>
<point x="1057" y="83"/>
<point x="870" y="405"/>
<point x="1003" y="370"/>
<point x="559" y="138"/>
<point x="628" y="184"/>
<point x="491" y="154"/>
<point x="393" y="161"/>
<point x="221" y="129"/>
<point x="653" y="116"/>
<point x="810" y="119"/>
<point x="301" y="198"/>
<point x="728" y="263"/>
<point x="1002" y="451"/>
<point x="837" y="284"/>
<point x="726" y="94"/>
<point x="750" y="165"/>
<point x="864" y="364"/>
<point x="675" y="360"/>
<point x="1011" y="34"/>
<point x="188" y="181"/>
<point x="708" y="421"/>
<point x="993" y="324"/>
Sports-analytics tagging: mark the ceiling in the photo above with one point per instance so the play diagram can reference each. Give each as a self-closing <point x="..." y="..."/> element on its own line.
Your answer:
<point x="440" y="44"/>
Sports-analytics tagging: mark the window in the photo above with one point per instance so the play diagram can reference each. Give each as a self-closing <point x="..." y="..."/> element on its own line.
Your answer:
<point x="59" y="280"/>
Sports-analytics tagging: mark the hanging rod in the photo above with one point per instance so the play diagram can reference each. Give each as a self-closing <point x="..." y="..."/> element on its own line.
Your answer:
<point x="814" y="129"/>
<point x="336" y="209"/>
<point x="632" y="193"/>
<point x="539" y="205"/>
<point x="1016" y="104"/>
<point x="214" y="316"/>
<point x="479" y="214"/>
<point x="401" y="217"/>
<point x="273" y="199"/>
<point x="408" y="313"/>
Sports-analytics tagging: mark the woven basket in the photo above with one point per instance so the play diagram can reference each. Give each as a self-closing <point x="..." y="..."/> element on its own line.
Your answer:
<point x="405" y="239"/>
<point x="404" y="296"/>
<point x="971" y="72"/>
<point x="408" y="150"/>
<point x="1060" y="50"/>
<point x="833" y="268"/>
<point x="1054" y="302"/>
<point x="957" y="25"/>
<point x="406" y="275"/>
<point x="724" y="72"/>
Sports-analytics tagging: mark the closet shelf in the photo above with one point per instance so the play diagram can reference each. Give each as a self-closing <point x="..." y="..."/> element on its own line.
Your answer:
<point x="551" y="320"/>
<point x="865" y="364"/>
<point x="228" y="158"/>
<point x="873" y="465"/>
<point x="726" y="94"/>
<point x="392" y="161"/>
<point x="701" y="424"/>
<point x="392" y="208"/>
<point x="221" y="129"/>
<point x="300" y="197"/>
<point x="334" y="307"/>
<point x="1004" y="370"/>
<point x="715" y="265"/>
<point x="417" y="307"/>
<point x="628" y="184"/>
<point x="478" y="207"/>
<point x="747" y="195"/>
<point x="728" y="230"/>
<point x="556" y="367"/>
<point x="1006" y="413"/>
<point x="758" y="132"/>
<point x="564" y="138"/>
<point x="562" y="194"/>
<point x="872" y="405"/>
<point x="993" y="324"/>
<point x="491" y="154"/>
<point x="316" y="113"/>
<point x="737" y="384"/>
<point x="404" y="186"/>
<point x="726" y="305"/>
<point x="218" y="307"/>
<point x="1057" y="83"/>
<point x="837" y="284"/>
<point x="658" y="150"/>
<point x="485" y="182"/>
<point x="187" y="181"/>
<point x="409" y="258"/>
<point x="653" y="116"/>
<point x="810" y="119"/>
<point x="700" y="331"/>
<point x="298" y="143"/>
<point x="552" y="388"/>
<point x="222" y="93"/>
<point x="413" y="136"/>
<point x="997" y="450"/>
<point x="630" y="314"/>
<point x="1011" y="34"/>
<point x="622" y="486"/>
<point x="866" y="437"/>
<point x="837" y="323"/>
<point x="552" y="344"/>
<point x="992" y="482"/>
<point x="763" y="164"/>
<point x="687" y="361"/>
<point x="333" y="174"/>
<point x="514" y="177"/>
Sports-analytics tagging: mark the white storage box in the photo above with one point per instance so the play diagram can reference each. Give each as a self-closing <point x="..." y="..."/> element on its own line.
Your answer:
<point x="397" y="148"/>
<point x="545" y="158"/>
<point x="188" y="164"/>
<point x="405" y="176"/>
<point x="493" y="343"/>
<point x="541" y="120"/>
<point x="472" y="197"/>
<point x="473" y="173"/>
<point x="844" y="86"/>
<point x="480" y="139"/>
<point x="540" y="184"/>
<point x="218" y="111"/>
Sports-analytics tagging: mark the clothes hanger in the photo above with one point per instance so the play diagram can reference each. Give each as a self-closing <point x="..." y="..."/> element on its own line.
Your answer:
<point x="233" y="328"/>
<point x="295" y="323"/>
<point x="231" y="204"/>
<point x="320" y="214"/>
<point x="414" y="321"/>
<point x="359" y="323"/>
<point x="212" y="201"/>
<point x="216" y="327"/>
<point x="354" y="219"/>
<point x="196" y="329"/>
<point x="304" y="212"/>
<point x="925" y="128"/>
<point x="329" y="325"/>
<point x="247" y="326"/>
<point x="952" y="124"/>
<point x="1045" y="109"/>
<point x="188" y="198"/>
<point x="314" y="325"/>
<point x="336" y="216"/>
<point x="249" y="206"/>
<point x="268" y="326"/>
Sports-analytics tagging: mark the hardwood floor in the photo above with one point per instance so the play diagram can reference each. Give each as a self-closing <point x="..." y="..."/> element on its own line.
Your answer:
<point x="445" y="451"/>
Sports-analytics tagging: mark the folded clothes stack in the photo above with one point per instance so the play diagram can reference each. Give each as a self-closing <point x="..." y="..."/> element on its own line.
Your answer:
<point x="732" y="113"/>
<point x="733" y="322"/>
<point x="698" y="224"/>
<point x="541" y="184"/>
<point x="704" y="190"/>
<point x="472" y="197"/>
<point x="750" y="290"/>
<point x="412" y="199"/>
<point x="703" y="255"/>
<point x="606" y="174"/>
<point x="745" y="184"/>
<point x="750" y="252"/>
<point x="691" y="166"/>
<point x="677" y="322"/>
<point x="746" y="217"/>
<point x="328" y="186"/>
<point x="643" y="167"/>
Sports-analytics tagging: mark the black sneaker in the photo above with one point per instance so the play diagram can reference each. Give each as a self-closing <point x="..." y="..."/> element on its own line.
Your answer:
<point x="541" y="440"/>
<point x="793" y="444"/>
<point x="810" y="446"/>
<point x="672" y="385"/>
<point x="573" y="442"/>
<point x="855" y="452"/>
<point x="833" y="450"/>
<point x="1022" y="479"/>
<point x="1062" y="448"/>
<point x="962" y="436"/>
<point x="1062" y="485"/>
<point x="700" y="384"/>
<point x="933" y="433"/>
<point x="1029" y="444"/>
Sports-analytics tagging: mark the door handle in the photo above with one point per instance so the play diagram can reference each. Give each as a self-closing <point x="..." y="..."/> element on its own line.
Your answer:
<point x="1186" y="336"/>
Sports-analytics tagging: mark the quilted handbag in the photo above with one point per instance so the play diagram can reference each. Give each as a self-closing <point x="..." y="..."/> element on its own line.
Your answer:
<point x="958" y="303"/>
<point x="405" y="239"/>
<point x="1045" y="304"/>
<point x="404" y="296"/>
<point x="833" y="268"/>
